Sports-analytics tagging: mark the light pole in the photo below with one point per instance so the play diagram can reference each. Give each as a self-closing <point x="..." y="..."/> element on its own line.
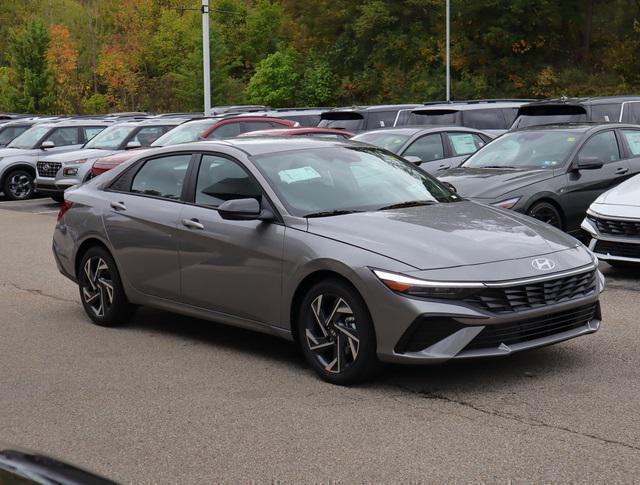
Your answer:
<point x="448" y="49"/>
<point x="205" y="57"/>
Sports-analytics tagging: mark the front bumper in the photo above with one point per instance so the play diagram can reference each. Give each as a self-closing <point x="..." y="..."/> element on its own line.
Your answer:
<point x="49" y="188"/>
<point x="608" y="247"/>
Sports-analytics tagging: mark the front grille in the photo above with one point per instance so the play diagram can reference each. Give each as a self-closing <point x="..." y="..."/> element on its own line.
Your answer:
<point x="48" y="169"/>
<point x="534" y="295"/>
<point x="617" y="228"/>
<point x="625" y="250"/>
<point x="492" y="336"/>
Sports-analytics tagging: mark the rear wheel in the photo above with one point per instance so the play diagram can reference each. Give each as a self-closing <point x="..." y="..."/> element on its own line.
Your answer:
<point x="546" y="212"/>
<point x="101" y="290"/>
<point x="336" y="333"/>
<point x="18" y="185"/>
<point x="58" y="197"/>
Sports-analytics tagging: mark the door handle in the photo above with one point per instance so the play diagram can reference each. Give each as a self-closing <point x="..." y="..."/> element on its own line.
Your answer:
<point x="192" y="224"/>
<point x="119" y="206"/>
<point x="622" y="170"/>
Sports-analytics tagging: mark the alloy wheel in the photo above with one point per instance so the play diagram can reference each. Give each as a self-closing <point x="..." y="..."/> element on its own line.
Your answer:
<point x="332" y="334"/>
<point x="548" y="215"/>
<point x="97" y="287"/>
<point x="20" y="186"/>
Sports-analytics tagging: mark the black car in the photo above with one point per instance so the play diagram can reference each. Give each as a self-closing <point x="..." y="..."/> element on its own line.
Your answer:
<point x="624" y="109"/>
<point x="433" y="148"/>
<point x="357" y="119"/>
<point x="550" y="172"/>
<point x="496" y="115"/>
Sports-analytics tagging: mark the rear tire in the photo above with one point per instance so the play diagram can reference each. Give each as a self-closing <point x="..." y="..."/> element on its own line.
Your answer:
<point x="101" y="290"/>
<point x="18" y="185"/>
<point x="58" y="197"/>
<point x="546" y="212"/>
<point x="336" y="333"/>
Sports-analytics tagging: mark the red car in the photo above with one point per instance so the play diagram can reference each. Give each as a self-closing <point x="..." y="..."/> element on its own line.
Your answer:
<point x="304" y="131"/>
<point x="220" y="129"/>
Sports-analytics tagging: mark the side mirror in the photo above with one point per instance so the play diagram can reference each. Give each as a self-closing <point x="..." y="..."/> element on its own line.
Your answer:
<point x="47" y="144"/>
<point x="413" y="159"/>
<point x="588" y="163"/>
<point x="244" y="210"/>
<point x="450" y="186"/>
<point x="133" y="144"/>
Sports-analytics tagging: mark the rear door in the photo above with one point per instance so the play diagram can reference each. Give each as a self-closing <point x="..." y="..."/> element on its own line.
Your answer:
<point x="141" y="221"/>
<point x="232" y="267"/>
<point x="584" y="186"/>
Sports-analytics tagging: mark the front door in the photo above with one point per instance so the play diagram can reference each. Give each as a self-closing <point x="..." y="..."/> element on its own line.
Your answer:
<point x="232" y="267"/>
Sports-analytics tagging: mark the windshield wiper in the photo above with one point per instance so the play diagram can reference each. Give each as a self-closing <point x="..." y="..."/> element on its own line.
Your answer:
<point x="337" y="212"/>
<point x="409" y="203"/>
<point x="497" y="166"/>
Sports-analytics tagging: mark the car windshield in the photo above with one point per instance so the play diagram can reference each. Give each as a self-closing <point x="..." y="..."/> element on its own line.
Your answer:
<point x="111" y="138"/>
<point x="527" y="149"/>
<point x="8" y="133"/>
<point x="185" y="133"/>
<point x="30" y="138"/>
<point x="324" y="181"/>
<point x="389" y="141"/>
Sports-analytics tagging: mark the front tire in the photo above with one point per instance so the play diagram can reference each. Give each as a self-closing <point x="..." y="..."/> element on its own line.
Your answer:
<point x="58" y="197"/>
<point x="336" y="333"/>
<point x="101" y="290"/>
<point x="546" y="212"/>
<point x="18" y="185"/>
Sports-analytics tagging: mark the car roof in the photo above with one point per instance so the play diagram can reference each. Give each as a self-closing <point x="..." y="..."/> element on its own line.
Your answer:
<point x="373" y="109"/>
<point x="413" y="130"/>
<point x="469" y="105"/>
<point x="70" y="123"/>
<point x="585" y="100"/>
<point x="293" y="131"/>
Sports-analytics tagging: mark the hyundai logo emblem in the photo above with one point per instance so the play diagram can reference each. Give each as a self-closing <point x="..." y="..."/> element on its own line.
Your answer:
<point x="543" y="264"/>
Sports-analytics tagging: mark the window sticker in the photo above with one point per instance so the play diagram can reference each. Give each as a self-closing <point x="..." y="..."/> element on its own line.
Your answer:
<point x="301" y="174"/>
<point x="463" y="144"/>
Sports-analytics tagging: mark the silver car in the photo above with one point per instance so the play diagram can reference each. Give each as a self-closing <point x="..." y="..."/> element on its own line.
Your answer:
<point x="354" y="253"/>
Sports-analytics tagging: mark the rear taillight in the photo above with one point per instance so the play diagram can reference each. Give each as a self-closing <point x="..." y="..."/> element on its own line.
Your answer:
<point x="66" y="205"/>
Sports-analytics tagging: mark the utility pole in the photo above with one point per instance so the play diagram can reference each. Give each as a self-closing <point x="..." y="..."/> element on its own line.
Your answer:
<point x="448" y="48"/>
<point x="205" y="57"/>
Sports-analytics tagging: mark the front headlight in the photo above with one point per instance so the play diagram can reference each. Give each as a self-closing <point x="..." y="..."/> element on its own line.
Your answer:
<point x="76" y="162"/>
<point x="70" y="171"/>
<point x="507" y="204"/>
<point x="426" y="288"/>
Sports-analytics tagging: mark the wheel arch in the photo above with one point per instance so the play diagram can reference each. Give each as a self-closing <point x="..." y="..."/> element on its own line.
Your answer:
<point x="17" y="165"/>
<point x="550" y="200"/>
<point x="87" y="244"/>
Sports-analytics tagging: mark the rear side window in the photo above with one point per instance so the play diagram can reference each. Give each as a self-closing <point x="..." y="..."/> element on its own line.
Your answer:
<point x="464" y="143"/>
<point x="633" y="140"/>
<point x="62" y="137"/>
<point x="427" y="148"/>
<point x="380" y="119"/>
<point x="602" y="146"/>
<point x="632" y="113"/>
<point x="484" y="119"/>
<point x="228" y="130"/>
<point x="605" y="112"/>
<point x="162" y="177"/>
<point x="91" y="131"/>
<point x="220" y="179"/>
<point x="247" y="126"/>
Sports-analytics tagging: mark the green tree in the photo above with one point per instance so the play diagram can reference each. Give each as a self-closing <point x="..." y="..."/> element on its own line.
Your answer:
<point x="276" y="80"/>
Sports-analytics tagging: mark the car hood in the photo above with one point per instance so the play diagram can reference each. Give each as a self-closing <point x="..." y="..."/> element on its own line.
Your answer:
<point x="78" y="155"/>
<point x="627" y="193"/>
<point x="122" y="156"/>
<point x="445" y="235"/>
<point x="490" y="183"/>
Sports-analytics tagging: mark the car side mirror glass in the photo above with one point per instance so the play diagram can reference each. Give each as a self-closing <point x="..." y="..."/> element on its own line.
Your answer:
<point x="589" y="163"/>
<point x="133" y="144"/>
<point x="243" y="210"/>
<point x="47" y="144"/>
<point x="413" y="159"/>
<point x="450" y="186"/>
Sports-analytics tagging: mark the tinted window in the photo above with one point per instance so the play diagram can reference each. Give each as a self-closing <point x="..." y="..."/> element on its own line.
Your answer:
<point x="62" y="137"/>
<point x="11" y="132"/>
<point x="220" y="179"/>
<point x="389" y="141"/>
<point x="147" y="135"/>
<point x="605" y="112"/>
<point x="633" y="140"/>
<point x="464" y="143"/>
<point x="257" y="125"/>
<point x="162" y="177"/>
<point x="381" y="119"/>
<point x="434" y="117"/>
<point x="350" y="124"/>
<point x="509" y="115"/>
<point x="228" y="130"/>
<point x="427" y="148"/>
<point x="483" y="119"/>
<point x="602" y="146"/>
<point x="91" y="131"/>
<point x="184" y="133"/>
<point x="632" y="112"/>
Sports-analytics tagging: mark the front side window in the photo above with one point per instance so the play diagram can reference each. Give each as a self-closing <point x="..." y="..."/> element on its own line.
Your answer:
<point x="63" y="137"/>
<point x="605" y="112"/>
<point x="347" y="179"/>
<point x="464" y="143"/>
<point x="9" y="133"/>
<point x="381" y="119"/>
<point x="220" y="179"/>
<point x="30" y="138"/>
<point x="602" y="146"/>
<point x="162" y="177"/>
<point x="535" y="149"/>
<point x="426" y="148"/>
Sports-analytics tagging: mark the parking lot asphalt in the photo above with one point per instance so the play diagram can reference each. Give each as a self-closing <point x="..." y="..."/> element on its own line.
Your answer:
<point x="169" y="399"/>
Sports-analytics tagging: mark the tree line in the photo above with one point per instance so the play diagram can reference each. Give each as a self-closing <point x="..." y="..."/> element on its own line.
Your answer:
<point x="96" y="56"/>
